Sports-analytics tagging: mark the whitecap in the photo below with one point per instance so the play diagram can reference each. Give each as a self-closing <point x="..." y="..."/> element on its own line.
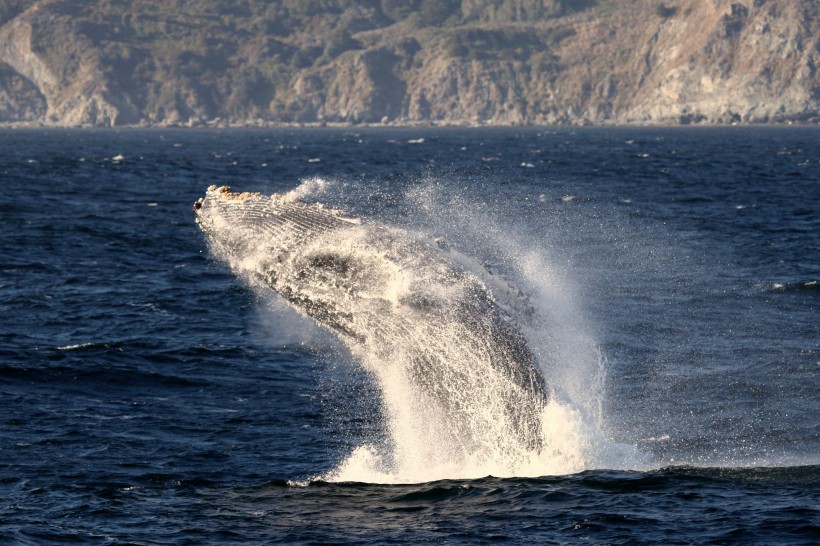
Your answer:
<point x="75" y="346"/>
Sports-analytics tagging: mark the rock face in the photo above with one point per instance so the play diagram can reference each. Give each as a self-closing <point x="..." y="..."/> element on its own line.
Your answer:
<point x="64" y="63"/>
<point x="61" y="79"/>
<point x="750" y="62"/>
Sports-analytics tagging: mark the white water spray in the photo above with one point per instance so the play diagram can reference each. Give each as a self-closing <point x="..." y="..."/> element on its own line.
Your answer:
<point x="571" y="424"/>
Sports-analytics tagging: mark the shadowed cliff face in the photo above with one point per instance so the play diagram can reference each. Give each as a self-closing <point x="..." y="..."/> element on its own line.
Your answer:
<point x="67" y="62"/>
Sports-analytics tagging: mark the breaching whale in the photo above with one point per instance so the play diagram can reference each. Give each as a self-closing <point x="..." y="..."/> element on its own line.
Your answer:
<point x="408" y="302"/>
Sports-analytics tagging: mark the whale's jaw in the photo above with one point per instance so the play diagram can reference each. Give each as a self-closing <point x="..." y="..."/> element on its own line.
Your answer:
<point x="397" y="298"/>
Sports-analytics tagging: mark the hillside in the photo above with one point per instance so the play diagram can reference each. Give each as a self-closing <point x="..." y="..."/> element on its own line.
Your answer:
<point x="505" y="62"/>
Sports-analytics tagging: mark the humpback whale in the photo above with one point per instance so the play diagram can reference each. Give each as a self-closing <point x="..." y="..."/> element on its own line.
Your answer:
<point x="409" y="302"/>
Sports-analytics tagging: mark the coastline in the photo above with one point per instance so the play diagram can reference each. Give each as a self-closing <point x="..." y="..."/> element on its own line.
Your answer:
<point x="813" y="121"/>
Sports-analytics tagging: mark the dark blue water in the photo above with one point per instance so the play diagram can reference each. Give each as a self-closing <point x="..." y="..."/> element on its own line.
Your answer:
<point x="148" y="397"/>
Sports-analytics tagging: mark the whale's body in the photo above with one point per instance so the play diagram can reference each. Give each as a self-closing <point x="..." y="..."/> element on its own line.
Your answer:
<point x="406" y="302"/>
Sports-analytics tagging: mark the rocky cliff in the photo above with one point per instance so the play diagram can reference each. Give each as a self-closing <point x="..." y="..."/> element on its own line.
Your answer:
<point x="105" y="63"/>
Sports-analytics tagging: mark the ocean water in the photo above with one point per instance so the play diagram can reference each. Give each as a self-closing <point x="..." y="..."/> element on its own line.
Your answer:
<point x="149" y="396"/>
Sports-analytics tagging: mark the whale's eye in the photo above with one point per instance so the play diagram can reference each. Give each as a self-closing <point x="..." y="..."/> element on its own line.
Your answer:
<point x="340" y="265"/>
<point x="421" y="301"/>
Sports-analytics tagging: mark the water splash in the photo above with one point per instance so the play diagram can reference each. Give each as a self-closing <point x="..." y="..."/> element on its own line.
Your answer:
<point x="572" y="445"/>
<point x="310" y="188"/>
<point x="419" y="447"/>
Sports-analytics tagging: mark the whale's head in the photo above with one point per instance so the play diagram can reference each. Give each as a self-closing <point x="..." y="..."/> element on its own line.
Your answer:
<point x="244" y="228"/>
<point x="312" y="255"/>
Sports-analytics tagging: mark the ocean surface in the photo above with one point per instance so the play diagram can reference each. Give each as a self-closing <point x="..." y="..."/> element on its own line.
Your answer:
<point x="149" y="396"/>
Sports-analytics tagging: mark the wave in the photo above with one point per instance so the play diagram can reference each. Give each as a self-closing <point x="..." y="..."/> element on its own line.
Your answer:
<point x="799" y="286"/>
<point x="88" y="375"/>
<point x="616" y="481"/>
